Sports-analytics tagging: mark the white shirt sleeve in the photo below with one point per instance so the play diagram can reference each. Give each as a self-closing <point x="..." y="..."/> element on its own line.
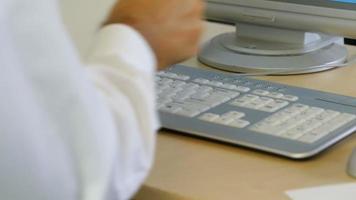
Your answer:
<point x="122" y="66"/>
<point x="71" y="131"/>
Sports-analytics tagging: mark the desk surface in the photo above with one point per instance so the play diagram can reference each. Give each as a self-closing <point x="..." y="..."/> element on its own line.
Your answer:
<point x="200" y="169"/>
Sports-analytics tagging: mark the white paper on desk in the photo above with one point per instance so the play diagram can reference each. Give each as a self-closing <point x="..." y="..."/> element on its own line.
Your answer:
<point x="332" y="192"/>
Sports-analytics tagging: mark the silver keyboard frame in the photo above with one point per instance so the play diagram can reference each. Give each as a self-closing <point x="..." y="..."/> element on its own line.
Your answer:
<point x="250" y="139"/>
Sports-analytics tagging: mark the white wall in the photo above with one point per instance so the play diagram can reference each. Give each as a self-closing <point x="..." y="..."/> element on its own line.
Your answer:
<point x="82" y="18"/>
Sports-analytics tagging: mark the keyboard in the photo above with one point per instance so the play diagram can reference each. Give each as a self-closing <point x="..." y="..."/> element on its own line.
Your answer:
<point x="289" y="121"/>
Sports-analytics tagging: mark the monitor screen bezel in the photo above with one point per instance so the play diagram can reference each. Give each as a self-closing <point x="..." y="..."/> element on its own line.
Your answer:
<point x="293" y="6"/>
<point x="336" y="4"/>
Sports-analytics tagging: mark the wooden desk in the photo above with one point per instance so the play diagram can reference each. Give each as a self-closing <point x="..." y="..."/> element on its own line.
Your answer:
<point x="200" y="169"/>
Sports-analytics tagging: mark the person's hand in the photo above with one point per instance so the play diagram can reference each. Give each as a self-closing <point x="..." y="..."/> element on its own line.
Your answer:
<point x="171" y="27"/>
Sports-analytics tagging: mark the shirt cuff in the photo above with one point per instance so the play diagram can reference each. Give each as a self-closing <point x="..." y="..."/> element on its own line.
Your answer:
<point x="125" y="43"/>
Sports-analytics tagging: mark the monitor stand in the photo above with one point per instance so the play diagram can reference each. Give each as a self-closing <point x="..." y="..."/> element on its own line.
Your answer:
<point x="262" y="49"/>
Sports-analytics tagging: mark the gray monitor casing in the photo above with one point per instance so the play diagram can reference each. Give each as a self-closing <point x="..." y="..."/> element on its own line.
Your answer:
<point x="279" y="37"/>
<point x="336" y="19"/>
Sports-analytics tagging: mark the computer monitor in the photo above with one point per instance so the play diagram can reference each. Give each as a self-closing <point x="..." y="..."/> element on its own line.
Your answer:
<point x="280" y="36"/>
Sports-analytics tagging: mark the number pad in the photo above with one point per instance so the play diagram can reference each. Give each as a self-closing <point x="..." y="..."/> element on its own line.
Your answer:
<point x="303" y="123"/>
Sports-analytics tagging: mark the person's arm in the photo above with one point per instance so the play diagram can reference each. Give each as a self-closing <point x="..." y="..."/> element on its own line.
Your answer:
<point x="122" y="66"/>
<point x="171" y="27"/>
<point x="124" y="59"/>
<point x="70" y="132"/>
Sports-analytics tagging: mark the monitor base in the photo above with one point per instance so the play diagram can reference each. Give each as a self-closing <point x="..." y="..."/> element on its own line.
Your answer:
<point x="229" y="52"/>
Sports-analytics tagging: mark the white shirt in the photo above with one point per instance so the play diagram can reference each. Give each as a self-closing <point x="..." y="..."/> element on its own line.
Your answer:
<point x="70" y="129"/>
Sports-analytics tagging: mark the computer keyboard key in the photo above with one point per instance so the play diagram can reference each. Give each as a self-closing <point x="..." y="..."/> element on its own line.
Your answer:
<point x="178" y="83"/>
<point x="161" y="73"/>
<point x="210" y="117"/>
<point x="224" y="120"/>
<point x="170" y="75"/>
<point x="229" y="86"/>
<point x="255" y="105"/>
<point x="243" y="89"/>
<point x="234" y="115"/>
<point x="340" y="120"/>
<point x="240" y="102"/>
<point x="273" y="106"/>
<point x="183" y="77"/>
<point x="205" y="88"/>
<point x="287" y="124"/>
<point x="178" y="98"/>
<point x="239" y="123"/>
<point x="315" y="134"/>
<point x="312" y="123"/>
<point x="228" y="93"/>
<point x="200" y="95"/>
<point x="316" y="110"/>
<point x="166" y="81"/>
<point x="250" y="97"/>
<point x="276" y="95"/>
<point x="290" y="98"/>
<point x="300" y="130"/>
<point x="216" y="83"/>
<point x="294" y="133"/>
<point x="275" y="120"/>
<point x="267" y="129"/>
<point x="185" y="93"/>
<point x="163" y="101"/>
<point x="188" y="112"/>
<point x="171" y="108"/>
<point x="327" y="115"/>
<point x="167" y="94"/>
<point x="348" y="117"/>
<point x="217" y="97"/>
<point x="264" y="100"/>
<point x="311" y="138"/>
<point x="261" y="92"/>
<point x="297" y="108"/>
<point x="267" y="108"/>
